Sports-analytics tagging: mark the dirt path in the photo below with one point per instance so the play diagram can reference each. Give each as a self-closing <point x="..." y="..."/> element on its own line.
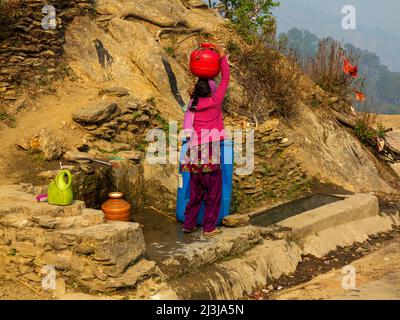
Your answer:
<point x="13" y="290"/>
<point x="377" y="277"/>
<point x="52" y="112"/>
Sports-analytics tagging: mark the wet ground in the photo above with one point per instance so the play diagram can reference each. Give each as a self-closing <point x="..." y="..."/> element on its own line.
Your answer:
<point x="163" y="235"/>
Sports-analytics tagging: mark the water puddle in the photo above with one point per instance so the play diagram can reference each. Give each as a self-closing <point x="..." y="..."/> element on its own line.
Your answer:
<point x="163" y="236"/>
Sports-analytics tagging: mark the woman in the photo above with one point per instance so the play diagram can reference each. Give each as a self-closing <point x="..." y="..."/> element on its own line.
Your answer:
<point x="203" y="157"/>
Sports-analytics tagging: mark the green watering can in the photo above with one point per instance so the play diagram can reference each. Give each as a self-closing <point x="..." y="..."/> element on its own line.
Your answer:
<point x="60" y="190"/>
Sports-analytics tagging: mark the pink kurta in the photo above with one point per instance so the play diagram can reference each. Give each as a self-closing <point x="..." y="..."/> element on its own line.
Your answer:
<point x="207" y="120"/>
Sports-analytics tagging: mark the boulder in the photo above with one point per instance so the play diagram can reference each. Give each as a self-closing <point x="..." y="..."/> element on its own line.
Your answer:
<point x="50" y="145"/>
<point x="134" y="274"/>
<point x="115" y="91"/>
<point x="98" y="113"/>
<point x="195" y="4"/>
<point x="129" y="155"/>
<point x="109" y="147"/>
<point x="236" y="220"/>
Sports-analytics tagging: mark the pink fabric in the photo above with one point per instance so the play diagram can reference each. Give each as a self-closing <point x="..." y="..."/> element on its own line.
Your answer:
<point x="205" y="187"/>
<point x="189" y="115"/>
<point x="207" y="120"/>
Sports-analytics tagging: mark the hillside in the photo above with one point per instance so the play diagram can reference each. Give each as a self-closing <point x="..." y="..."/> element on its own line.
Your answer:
<point x="381" y="84"/>
<point x="147" y="40"/>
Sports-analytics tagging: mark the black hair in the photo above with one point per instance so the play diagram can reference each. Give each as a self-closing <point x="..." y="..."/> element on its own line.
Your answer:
<point x="201" y="90"/>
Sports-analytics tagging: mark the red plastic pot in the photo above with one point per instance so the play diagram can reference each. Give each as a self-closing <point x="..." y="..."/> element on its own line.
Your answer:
<point x="205" y="62"/>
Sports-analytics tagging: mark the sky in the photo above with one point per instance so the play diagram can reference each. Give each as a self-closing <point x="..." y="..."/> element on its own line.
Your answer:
<point x="377" y="29"/>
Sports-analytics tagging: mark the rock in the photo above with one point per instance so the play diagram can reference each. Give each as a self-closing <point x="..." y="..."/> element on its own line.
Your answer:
<point x="116" y="91"/>
<point x="333" y="100"/>
<point x="125" y="137"/>
<point x="143" y="119"/>
<point x="236" y="220"/>
<point x="32" y="276"/>
<point x="60" y="260"/>
<point x="129" y="155"/>
<point x="113" y="125"/>
<point x="50" y="174"/>
<point x="60" y="286"/>
<point x="46" y="222"/>
<point x="97" y="114"/>
<point x="127" y="118"/>
<point x="91" y="127"/>
<point x="109" y="147"/>
<point x="360" y="250"/>
<point x="195" y="4"/>
<point x="10" y="95"/>
<point x="25" y="249"/>
<point x="115" y="244"/>
<point x="75" y="155"/>
<point x="89" y="217"/>
<point x="133" y="128"/>
<point x="50" y="145"/>
<point x="270" y="138"/>
<point x="142" y="270"/>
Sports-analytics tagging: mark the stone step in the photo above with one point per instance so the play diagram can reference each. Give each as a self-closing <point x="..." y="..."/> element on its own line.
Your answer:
<point x="136" y="273"/>
<point x="98" y="251"/>
<point x="351" y="208"/>
<point x="15" y="200"/>
<point x="231" y="242"/>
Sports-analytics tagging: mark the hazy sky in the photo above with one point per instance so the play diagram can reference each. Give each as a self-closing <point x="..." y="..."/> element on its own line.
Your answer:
<point x="378" y="23"/>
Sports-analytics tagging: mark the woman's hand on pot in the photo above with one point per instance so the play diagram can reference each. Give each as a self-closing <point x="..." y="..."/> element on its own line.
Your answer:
<point x="191" y="91"/>
<point x="221" y="50"/>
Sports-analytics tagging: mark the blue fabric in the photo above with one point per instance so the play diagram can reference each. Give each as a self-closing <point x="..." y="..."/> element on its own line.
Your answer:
<point x="183" y="196"/>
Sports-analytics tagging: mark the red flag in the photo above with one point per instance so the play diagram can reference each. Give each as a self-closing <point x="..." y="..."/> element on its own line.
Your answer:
<point x="348" y="68"/>
<point x="360" y="96"/>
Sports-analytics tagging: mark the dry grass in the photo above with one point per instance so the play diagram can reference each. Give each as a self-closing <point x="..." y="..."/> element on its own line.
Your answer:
<point x="368" y="128"/>
<point x="326" y="70"/>
<point x="268" y="78"/>
<point x="10" y="9"/>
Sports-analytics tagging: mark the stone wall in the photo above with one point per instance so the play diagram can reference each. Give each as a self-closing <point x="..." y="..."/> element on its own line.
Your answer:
<point x="27" y="50"/>
<point x="116" y="131"/>
<point x="74" y="240"/>
<point x="277" y="175"/>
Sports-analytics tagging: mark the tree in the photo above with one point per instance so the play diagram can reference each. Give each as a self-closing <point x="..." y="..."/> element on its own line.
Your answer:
<point x="249" y="16"/>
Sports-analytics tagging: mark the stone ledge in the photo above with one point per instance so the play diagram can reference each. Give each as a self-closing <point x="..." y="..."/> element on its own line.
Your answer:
<point x="193" y="255"/>
<point x="273" y="258"/>
<point x="349" y="209"/>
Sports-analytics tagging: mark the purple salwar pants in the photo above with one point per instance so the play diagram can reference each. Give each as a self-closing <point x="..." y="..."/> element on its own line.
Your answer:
<point x="207" y="187"/>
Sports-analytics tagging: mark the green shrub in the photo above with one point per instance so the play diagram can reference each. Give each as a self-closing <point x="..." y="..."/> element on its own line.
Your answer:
<point x="249" y="16"/>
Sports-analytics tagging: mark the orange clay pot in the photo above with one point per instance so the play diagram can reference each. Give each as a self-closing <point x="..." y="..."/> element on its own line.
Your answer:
<point x="116" y="208"/>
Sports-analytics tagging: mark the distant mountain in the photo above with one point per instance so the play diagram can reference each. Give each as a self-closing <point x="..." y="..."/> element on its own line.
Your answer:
<point x="382" y="85"/>
<point x="377" y="24"/>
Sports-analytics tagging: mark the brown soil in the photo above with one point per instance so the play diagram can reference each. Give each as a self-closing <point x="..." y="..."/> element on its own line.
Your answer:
<point x="311" y="267"/>
<point x="14" y="290"/>
<point x="52" y="112"/>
